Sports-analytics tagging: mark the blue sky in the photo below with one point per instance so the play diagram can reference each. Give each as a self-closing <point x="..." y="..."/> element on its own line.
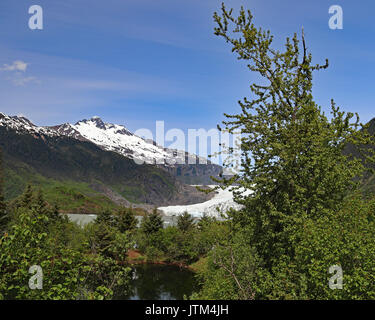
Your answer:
<point x="133" y="62"/>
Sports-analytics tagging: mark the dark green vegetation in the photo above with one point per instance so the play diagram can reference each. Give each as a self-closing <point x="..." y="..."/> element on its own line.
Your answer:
<point x="76" y="263"/>
<point x="307" y="212"/>
<point x="78" y="175"/>
<point x="92" y="262"/>
<point x="183" y="244"/>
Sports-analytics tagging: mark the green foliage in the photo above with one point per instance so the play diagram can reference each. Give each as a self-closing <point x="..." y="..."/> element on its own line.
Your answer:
<point x="27" y="197"/>
<point x="233" y="271"/>
<point x="4" y="217"/>
<point x="347" y="239"/>
<point x="106" y="218"/>
<point x="76" y="263"/>
<point x="40" y="202"/>
<point x="69" y="196"/>
<point x="297" y="222"/>
<point x="185" y="222"/>
<point x="292" y="153"/>
<point x="126" y="220"/>
<point x="180" y="245"/>
<point x="108" y="250"/>
<point x="29" y="244"/>
<point x="152" y="223"/>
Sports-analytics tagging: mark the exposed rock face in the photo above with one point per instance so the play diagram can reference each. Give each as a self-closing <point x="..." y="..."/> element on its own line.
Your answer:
<point x="195" y="173"/>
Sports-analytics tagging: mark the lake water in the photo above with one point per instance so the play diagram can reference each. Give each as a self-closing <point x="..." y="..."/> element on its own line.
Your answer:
<point x="160" y="282"/>
<point x="152" y="281"/>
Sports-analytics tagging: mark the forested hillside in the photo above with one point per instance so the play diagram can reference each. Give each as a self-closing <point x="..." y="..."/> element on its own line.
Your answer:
<point x="91" y="175"/>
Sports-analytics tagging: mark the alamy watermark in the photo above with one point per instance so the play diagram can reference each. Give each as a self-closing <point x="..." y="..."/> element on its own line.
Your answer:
<point x="36" y="280"/>
<point x="336" y="20"/>
<point x="336" y="281"/>
<point x="201" y="142"/>
<point x="36" y="19"/>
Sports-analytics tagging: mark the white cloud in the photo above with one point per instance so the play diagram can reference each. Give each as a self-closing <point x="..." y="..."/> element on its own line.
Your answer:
<point x="17" y="72"/>
<point x="17" y="65"/>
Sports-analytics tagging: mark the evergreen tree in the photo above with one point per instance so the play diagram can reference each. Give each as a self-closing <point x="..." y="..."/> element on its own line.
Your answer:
<point x="126" y="220"/>
<point x="205" y="221"/>
<point x="185" y="222"/>
<point x="40" y="203"/>
<point x="152" y="222"/>
<point x="54" y="213"/>
<point x="27" y="197"/>
<point x="103" y="240"/>
<point x="105" y="217"/>
<point x="4" y="218"/>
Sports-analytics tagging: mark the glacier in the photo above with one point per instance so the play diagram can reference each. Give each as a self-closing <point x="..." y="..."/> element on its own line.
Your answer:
<point x="222" y="201"/>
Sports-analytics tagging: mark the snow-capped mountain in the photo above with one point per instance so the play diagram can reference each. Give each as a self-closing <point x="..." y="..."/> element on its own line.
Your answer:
<point x="117" y="138"/>
<point x="108" y="136"/>
<point x="188" y="168"/>
<point x="23" y="125"/>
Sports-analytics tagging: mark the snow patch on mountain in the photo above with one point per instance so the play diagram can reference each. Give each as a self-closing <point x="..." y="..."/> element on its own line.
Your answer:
<point x="117" y="138"/>
<point x="23" y="125"/>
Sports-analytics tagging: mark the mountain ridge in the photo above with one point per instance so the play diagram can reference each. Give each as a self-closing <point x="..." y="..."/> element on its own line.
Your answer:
<point x="31" y="151"/>
<point x="187" y="168"/>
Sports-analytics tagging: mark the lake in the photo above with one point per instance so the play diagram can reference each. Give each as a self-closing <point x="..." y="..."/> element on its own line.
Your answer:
<point x="160" y="282"/>
<point x="83" y="219"/>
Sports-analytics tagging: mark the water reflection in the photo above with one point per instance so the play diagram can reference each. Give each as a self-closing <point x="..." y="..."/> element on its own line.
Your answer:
<point x="160" y="282"/>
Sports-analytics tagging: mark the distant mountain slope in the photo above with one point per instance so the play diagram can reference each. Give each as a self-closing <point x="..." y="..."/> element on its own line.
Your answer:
<point x="368" y="183"/>
<point x="117" y="138"/>
<point x="30" y="151"/>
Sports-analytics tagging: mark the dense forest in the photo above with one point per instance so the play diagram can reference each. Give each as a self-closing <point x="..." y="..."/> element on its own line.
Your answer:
<point x="94" y="261"/>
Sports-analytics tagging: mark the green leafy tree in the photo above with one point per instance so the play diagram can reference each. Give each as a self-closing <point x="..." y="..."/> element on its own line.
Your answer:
<point x="27" y="244"/>
<point x="292" y="153"/>
<point x="76" y="264"/>
<point x="102" y="239"/>
<point x="292" y="160"/>
<point x="234" y="270"/>
<point x="346" y="239"/>
<point x="54" y="213"/>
